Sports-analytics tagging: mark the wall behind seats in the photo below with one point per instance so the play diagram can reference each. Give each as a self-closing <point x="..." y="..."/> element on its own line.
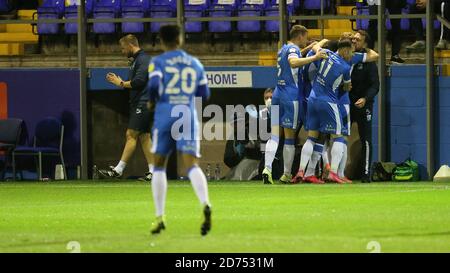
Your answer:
<point x="36" y="94"/>
<point x="407" y="115"/>
<point x="443" y="123"/>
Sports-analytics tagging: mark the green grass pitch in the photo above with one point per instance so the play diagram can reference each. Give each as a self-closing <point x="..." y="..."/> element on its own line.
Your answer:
<point x="247" y="217"/>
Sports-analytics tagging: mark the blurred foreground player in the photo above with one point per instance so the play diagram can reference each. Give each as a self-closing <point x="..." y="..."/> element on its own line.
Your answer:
<point x="175" y="80"/>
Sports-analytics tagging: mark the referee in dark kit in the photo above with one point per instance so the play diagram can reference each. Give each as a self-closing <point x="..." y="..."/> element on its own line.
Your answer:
<point x="365" y="86"/>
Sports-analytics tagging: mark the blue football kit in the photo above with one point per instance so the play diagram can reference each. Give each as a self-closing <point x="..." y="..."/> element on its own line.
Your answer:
<point x="175" y="80"/>
<point x="288" y="93"/>
<point x="323" y="112"/>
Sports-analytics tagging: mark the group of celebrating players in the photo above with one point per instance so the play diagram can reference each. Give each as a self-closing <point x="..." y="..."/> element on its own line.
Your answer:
<point x="312" y="92"/>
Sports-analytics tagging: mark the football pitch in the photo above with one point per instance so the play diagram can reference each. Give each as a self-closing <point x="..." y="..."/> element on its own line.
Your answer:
<point x="247" y="217"/>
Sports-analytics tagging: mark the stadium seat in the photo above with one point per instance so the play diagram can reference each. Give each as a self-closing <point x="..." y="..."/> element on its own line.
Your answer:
<point x="315" y="4"/>
<point x="105" y="9"/>
<point x="134" y="9"/>
<point x="437" y="24"/>
<point x="5" y="6"/>
<point x="10" y="130"/>
<point x="363" y="9"/>
<point x="404" y="22"/>
<point x="71" y="12"/>
<point x="273" y="10"/>
<point x="50" y="9"/>
<point x="195" y="9"/>
<point x="297" y="4"/>
<point x="48" y="141"/>
<point x="250" y="8"/>
<point x="221" y="8"/>
<point x="161" y="9"/>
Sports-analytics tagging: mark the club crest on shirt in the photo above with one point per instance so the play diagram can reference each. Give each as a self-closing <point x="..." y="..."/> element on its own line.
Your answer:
<point x="151" y="67"/>
<point x="368" y="115"/>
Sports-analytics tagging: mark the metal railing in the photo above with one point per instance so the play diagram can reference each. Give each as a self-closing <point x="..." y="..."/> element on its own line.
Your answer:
<point x="284" y="18"/>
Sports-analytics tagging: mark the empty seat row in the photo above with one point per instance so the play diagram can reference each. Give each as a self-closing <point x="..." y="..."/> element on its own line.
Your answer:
<point x="54" y="9"/>
<point x="362" y="9"/>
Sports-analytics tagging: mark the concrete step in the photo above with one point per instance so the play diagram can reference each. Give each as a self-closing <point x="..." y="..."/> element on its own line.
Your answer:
<point x="11" y="49"/>
<point x="26" y="14"/>
<point x="339" y="24"/>
<point x="329" y="33"/>
<point x="442" y="53"/>
<point x="344" y="10"/>
<point x="18" y="28"/>
<point x="116" y="60"/>
<point x="18" y="37"/>
<point x="267" y="58"/>
<point x="71" y="61"/>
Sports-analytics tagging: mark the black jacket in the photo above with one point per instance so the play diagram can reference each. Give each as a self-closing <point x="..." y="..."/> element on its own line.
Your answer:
<point x="365" y="82"/>
<point x="138" y="75"/>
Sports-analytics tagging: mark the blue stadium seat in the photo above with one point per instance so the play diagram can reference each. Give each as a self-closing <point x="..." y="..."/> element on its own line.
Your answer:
<point x="273" y="10"/>
<point x="315" y="4"/>
<point x="297" y="4"/>
<point x="48" y="141"/>
<point x="404" y="23"/>
<point x="363" y="9"/>
<point x="10" y="132"/>
<point x="50" y="9"/>
<point x="437" y="24"/>
<point x="71" y="12"/>
<point x="105" y="9"/>
<point x="134" y="9"/>
<point x="5" y="6"/>
<point x="161" y="9"/>
<point x="194" y="9"/>
<point x="250" y="8"/>
<point x="222" y="8"/>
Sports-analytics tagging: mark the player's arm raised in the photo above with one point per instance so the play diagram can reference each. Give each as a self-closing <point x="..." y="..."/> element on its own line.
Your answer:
<point x="306" y="49"/>
<point x="321" y="44"/>
<point x="296" y="62"/>
<point x="372" y="56"/>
